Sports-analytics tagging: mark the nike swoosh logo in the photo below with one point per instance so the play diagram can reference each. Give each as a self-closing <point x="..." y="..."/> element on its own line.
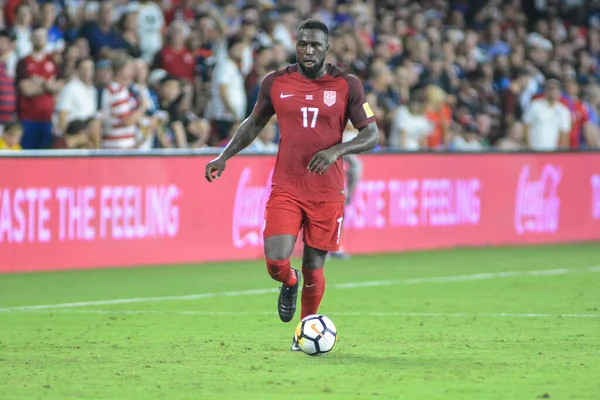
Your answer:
<point x="309" y="286"/>
<point x="314" y="328"/>
<point x="284" y="96"/>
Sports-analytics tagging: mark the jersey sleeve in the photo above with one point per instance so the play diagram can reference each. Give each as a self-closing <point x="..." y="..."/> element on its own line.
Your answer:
<point x="264" y="105"/>
<point x="358" y="109"/>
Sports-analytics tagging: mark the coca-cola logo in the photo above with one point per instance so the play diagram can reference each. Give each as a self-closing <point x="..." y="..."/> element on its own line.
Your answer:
<point x="537" y="205"/>
<point x="249" y="210"/>
<point x="595" y="181"/>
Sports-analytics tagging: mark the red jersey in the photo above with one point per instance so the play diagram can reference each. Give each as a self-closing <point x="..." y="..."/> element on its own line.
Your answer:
<point x="179" y="63"/>
<point x="579" y="116"/>
<point x="38" y="108"/>
<point x="312" y="116"/>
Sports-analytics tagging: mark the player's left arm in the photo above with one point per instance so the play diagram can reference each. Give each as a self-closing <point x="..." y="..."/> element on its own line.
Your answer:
<point x="363" y="118"/>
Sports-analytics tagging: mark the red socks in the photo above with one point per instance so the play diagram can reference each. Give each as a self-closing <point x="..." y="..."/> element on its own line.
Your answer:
<point x="281" y="271"/>
<point x="312" y="291"/>
<point x="314" y="283"/>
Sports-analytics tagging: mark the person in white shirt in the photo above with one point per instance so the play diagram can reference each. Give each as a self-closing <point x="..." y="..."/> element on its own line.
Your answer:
<point x="228" y="103"/>
<point x="150" y="24"/>
<point x="547" y="120"/>
<point x="78" y="101"/>
<point x="22" y="29"/>
<point x="121" y="112"/>
<point x="410" y="127"/>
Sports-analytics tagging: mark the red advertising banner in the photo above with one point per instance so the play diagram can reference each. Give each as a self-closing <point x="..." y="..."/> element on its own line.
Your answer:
<point x="60" y="213"/>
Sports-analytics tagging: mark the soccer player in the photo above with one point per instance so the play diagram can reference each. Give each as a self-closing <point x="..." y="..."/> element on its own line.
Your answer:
<point x="313" y="102"/>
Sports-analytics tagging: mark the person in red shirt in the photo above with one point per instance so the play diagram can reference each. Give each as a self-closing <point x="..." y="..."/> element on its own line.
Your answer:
<point x="184" y="11"/>
<point x="175" y="57"/>
<point x="37" y="84"/>
<point x="313" y="102"/>
<point x="579" y="114"/>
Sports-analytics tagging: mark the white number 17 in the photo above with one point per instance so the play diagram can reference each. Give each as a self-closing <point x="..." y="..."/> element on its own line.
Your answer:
<point x="305" y="111"/>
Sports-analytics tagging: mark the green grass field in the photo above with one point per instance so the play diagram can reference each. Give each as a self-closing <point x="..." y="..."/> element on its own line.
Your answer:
<point x="475" y="333"/>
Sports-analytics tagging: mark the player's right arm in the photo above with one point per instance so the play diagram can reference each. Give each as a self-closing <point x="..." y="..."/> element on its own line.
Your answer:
<point x="247" y="131"/>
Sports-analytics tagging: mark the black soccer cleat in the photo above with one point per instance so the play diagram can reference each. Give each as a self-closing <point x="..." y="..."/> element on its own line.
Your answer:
<point x="286" y="305"/>
<point x="295" y="346"/>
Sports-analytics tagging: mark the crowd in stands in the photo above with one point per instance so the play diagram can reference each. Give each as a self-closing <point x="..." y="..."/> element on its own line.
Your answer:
<point x="462" y="75"/>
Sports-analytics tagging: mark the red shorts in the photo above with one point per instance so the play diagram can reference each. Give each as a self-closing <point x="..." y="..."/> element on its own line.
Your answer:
<point x="322" y="221"/>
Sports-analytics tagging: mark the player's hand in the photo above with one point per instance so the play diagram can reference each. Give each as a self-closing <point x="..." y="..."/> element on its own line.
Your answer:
<point x="214" y="169"/>
<point x="322" y="160"/>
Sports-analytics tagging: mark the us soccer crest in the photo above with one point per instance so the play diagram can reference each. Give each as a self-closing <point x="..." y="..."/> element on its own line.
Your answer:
<point x="329" y="98"/>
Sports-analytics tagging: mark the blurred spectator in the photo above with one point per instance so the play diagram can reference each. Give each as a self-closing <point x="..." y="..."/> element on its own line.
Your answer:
<point x="170" y="98"/>
<point x="141" y="92"/>
<point x="78" y="101"/>
<point x="102" y="76"/>
<point x="510" y="106"/>
<point x="440" y="74"/>
<point x="10" y="12"/>
<point x="102" y="35"/>
<point x="580" y="132"/>
<point x="410" y="128"/>
<point x="280" y="56"/>
<point x="175" y="57"/>
<point x="11" y="137"/>
<point x="56" y="42"/>
<point x="8" y="55"/>
<point x="262" y="66"/>
<point x="274" y="31"/>
<point x="128" y="26"/>
<point x="492" y="44"/>
<point x="381" y="87"/>
<point x="120" y="111"/>
<point x="22" y="29"/>
<point x="8" y="99"/>
<point x="183" y="11"/>
<point x="228" y="104"/>
<point x="150" y="25"/>
<point x="264" y="143"/>
<point x="75" y="137"/>
<point x="249" y="36"/>
<point x="547" y="120"/>
<point x="197" y="130"/>
<point x="439" y="113"/>
<point x="37" y="85"/>
<point x="514" y="138"/>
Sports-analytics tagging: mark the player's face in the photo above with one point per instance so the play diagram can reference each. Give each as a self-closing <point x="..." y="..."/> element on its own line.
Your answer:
<point x="311" y="50"/>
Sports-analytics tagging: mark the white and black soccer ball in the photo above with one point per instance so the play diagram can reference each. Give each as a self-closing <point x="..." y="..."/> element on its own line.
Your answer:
<point x="316" y="335"/>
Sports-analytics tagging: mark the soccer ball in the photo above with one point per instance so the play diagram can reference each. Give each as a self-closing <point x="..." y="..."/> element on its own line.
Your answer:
<point x="316" y="335"/>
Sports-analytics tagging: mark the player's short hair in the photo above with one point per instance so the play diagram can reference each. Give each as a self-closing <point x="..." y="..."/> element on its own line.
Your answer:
<point x="314" y="24"/>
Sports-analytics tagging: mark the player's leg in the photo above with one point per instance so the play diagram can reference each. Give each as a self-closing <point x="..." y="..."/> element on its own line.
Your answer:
<point x="322" y="234"/>
<point x="283" y="219"/>
<point x="313" y="261"/>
